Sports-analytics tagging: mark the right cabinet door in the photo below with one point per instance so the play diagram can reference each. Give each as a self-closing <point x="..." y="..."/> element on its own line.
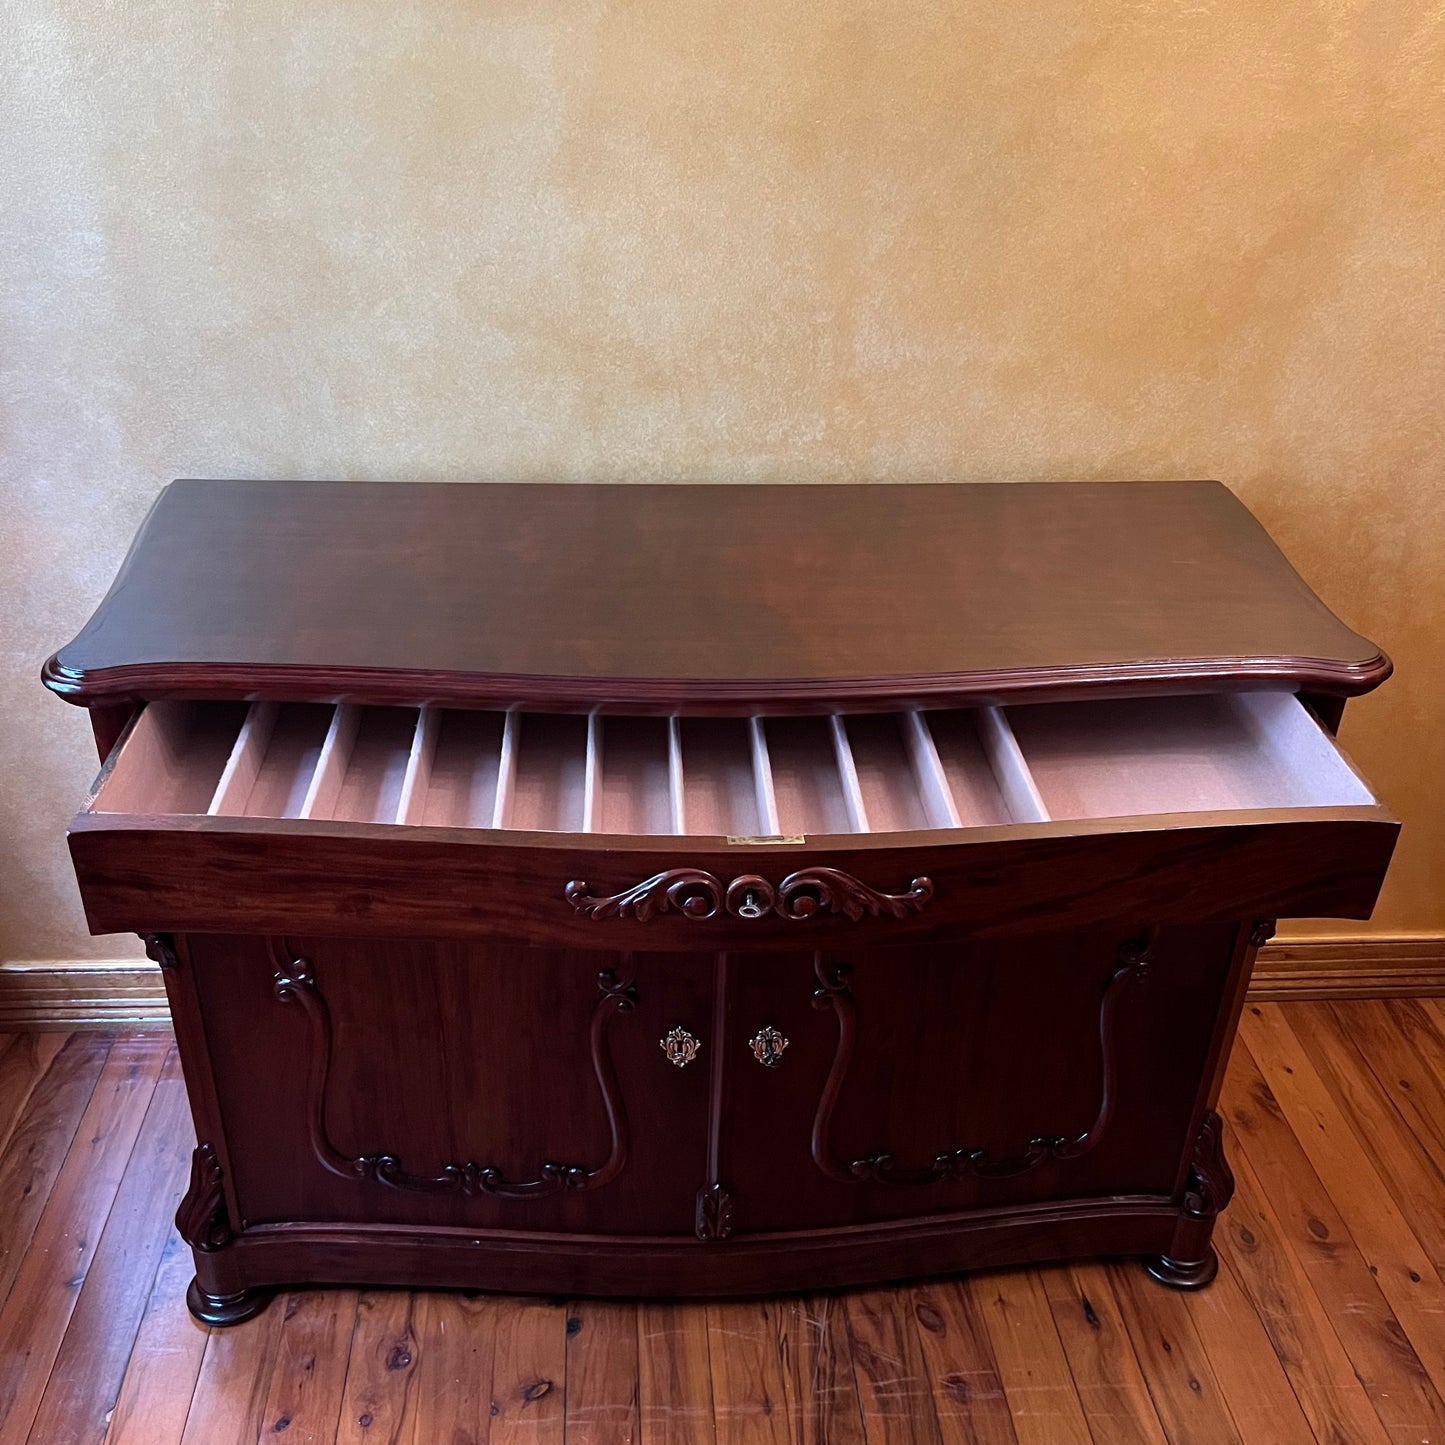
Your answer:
<point x="900" y="1082"/>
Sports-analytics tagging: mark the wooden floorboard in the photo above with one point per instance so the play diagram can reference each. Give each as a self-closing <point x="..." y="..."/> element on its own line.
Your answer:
<point x="449" y="1372"/>
<point x="86" y="1378"/>
<point x="1312" y="1229"/>
<point x="42" y="1299"/>
<point x="896" y="1402"/>
<point x="969" y="1400"/>
<point x="39" y="1142"/>
<point x="1037" y="1381"/>
<point x="1375" y="1221"/>
<point x="1186" y="1390"/>
<point x="674" y="1376"/>
<point x="748" y="1391"/>
<point x="1326" y="1325"/>
<point x="1105" y="1368"/>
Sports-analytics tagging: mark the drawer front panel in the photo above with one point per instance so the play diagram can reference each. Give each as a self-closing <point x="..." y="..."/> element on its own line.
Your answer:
<point x="648" y="833"/>
<point x="255" y="876"/>
<point x="636" y="833"/>
<point x="902" y="1082"/>
<point x="492" y="1087"/>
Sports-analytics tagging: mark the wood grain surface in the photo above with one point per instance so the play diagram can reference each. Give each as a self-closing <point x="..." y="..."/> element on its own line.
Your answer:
<point x="729" y="597"/>
<point x="288" y="875"/>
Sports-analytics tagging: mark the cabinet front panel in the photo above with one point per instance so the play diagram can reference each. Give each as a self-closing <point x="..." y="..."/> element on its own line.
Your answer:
<point x="917" y="1081"/>
<point x="436" y="1083"/>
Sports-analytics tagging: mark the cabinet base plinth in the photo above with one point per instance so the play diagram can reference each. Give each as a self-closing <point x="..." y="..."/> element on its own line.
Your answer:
<point x="281" y="1255"/>
<point x="225" y="1309"/>
<point x="1182" y="1274"/>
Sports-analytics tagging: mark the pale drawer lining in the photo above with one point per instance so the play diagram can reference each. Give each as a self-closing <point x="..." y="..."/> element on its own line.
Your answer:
<point x="836" y="773"/>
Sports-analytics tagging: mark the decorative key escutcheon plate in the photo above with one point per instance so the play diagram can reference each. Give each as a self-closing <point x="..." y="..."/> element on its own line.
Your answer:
<point x="767" y="1046"/>
<point x="680" y="1047"/>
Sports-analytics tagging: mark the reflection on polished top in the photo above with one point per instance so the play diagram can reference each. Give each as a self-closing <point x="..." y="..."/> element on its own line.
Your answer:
<point x="730" y="597"/>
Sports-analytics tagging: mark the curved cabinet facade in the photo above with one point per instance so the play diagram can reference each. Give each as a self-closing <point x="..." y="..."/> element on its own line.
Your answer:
<point x="653" y="946"/>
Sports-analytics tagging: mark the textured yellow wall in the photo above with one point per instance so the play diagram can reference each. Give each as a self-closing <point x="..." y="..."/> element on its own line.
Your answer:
<point x="681" y="238"/>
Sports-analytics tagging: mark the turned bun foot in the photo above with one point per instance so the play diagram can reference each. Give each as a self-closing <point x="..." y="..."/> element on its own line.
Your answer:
<point x="225" y="1309"/>
<point x="1182" y="1273"/>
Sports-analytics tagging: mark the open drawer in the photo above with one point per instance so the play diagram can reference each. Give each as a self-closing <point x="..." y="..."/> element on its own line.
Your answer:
<point x="759" y="832"/>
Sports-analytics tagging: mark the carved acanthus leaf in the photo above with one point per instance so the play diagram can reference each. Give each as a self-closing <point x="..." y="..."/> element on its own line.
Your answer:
<point x="201" y="1217"/>
<point x="1211" y="1180"/>
<point x="714" y="1217"/>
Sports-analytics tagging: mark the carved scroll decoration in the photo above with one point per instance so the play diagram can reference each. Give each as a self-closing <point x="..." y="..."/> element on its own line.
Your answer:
<point x="201" y="1219"/>
<point x="295" y="983"/>
<point x="700" y="895"/>
<point x="835" y="993"/>
<point x="1211" y="1180"/>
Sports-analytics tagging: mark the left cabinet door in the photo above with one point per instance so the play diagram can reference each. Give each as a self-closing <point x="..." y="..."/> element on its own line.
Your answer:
<point x="485" y="1086"/>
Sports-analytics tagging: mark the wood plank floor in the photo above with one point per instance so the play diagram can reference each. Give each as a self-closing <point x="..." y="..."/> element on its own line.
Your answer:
<point x="1326" y="1324"/>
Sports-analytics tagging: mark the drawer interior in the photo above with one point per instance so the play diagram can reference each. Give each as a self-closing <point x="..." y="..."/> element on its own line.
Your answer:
<point x="622" y="775"/>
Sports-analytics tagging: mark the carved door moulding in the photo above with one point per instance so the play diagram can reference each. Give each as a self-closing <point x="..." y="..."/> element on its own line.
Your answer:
<point x="294" y="982"/>
<point x="834" y="992"/>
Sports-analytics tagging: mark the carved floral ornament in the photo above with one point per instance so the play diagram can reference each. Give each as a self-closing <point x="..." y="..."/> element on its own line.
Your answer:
<point x="700" y="895"/>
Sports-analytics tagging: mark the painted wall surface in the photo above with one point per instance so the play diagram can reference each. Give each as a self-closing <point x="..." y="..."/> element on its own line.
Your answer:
<point x="627" y="239"/>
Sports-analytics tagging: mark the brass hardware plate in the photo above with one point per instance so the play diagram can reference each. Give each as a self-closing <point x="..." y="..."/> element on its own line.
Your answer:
<point x="767" y="1046"/>
<point x="680" y="1047"/>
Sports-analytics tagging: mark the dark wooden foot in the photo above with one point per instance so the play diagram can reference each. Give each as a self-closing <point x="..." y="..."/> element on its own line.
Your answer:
<point x="225" y="1309"/>
<point x="1182" y="1274"/>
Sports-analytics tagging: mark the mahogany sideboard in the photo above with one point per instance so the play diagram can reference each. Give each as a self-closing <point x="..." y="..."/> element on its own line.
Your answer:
<point x="661" y="890"/>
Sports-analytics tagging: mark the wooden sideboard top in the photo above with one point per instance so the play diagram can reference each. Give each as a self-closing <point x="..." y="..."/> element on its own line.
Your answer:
<point x="705" y="596"/>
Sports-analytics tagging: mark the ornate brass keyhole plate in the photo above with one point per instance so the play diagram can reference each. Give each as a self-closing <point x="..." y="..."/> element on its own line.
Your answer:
<point x="767" y="1046"/>
<point x="680" y="1047"/>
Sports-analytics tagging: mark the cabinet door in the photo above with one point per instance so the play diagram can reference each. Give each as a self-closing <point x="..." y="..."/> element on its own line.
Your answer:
<point x="484" y="1086"/>
<point x="914" y="1081"/>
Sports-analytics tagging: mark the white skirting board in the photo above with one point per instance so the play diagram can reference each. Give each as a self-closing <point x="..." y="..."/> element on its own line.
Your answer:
<point x="129" y="994"/>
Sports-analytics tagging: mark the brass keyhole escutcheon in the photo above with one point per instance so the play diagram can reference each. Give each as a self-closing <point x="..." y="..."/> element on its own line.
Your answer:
<point x="680" y="1047"/>
<point x="767" y="1046"/>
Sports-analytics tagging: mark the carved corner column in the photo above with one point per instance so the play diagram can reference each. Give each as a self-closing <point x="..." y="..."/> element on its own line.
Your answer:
<point x="1191" y="1262"/>
<point x="205" y="1225"/>
<point x="216" y="1295"/>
